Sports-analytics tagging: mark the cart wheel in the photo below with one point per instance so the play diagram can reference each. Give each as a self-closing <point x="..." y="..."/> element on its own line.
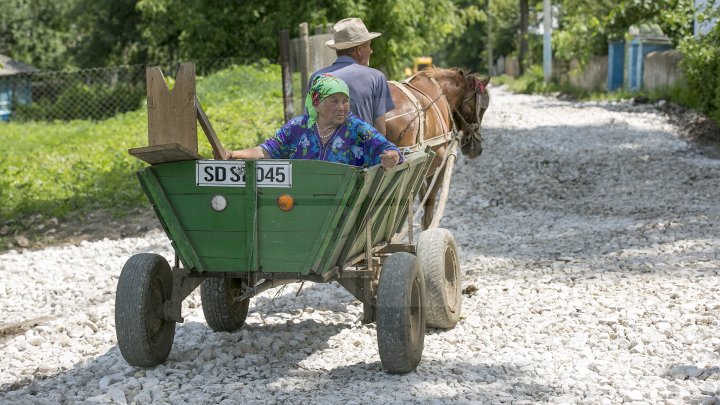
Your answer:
<point x="401" y="313"/>
<point x="437" y="252"/>
<point x="144" y="336"/>
<point x="221" y="311"/>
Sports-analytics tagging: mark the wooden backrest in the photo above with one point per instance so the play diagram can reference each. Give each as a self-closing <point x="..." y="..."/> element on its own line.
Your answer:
<point x="172" y="115"/>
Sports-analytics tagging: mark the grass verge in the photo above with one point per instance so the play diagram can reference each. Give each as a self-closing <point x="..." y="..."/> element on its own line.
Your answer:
<point x="55" y="171"/>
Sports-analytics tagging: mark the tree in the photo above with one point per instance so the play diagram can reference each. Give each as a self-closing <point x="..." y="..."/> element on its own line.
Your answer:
<point x="107" y="33"/>
<point x="466" y="49"/>
<point x="587" y="25"/>
<point x="36" y="32"/>
<point x="249" y="29"/>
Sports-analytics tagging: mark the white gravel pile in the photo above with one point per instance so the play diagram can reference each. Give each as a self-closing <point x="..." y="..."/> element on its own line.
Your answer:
<point x="590" y="247"/>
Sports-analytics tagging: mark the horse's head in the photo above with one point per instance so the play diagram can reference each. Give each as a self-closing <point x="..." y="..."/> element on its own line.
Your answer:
<point x="469" y="113"/>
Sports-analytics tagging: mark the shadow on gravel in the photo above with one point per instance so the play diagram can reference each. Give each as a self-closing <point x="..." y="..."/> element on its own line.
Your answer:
<point x="188" y="359"/>
<point x="431" y="382"/>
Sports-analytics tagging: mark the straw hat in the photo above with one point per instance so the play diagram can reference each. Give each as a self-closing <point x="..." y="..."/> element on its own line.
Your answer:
<point x="350" y="32"/>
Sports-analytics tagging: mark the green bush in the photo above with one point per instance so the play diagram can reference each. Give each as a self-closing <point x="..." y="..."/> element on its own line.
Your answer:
<point x="701" y="68"/>
<point x="532" y="81"/>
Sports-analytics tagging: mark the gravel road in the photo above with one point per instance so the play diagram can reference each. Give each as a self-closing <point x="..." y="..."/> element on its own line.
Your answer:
<point x="590" y="248"/>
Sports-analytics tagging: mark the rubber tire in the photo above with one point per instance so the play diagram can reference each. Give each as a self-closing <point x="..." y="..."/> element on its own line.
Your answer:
<point x="438" y="255"/>
<point x="145" y="284"/>
<point x="222" y="314"/>
<point x="401" y="313"/>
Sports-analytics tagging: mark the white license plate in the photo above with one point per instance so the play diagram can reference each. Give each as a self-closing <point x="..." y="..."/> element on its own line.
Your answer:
<point x="232" y="173"/>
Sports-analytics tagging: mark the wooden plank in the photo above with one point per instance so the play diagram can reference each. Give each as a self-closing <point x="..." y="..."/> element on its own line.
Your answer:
<point x="251" y="215"/>
<point x="196" y="214"/>
<point x="218" y="244"/>
<point x="224" y="264"/>
<point x="157" y="154"/>
<point x="172" y="116"/>
<point x="176" y="233"/>
<point x="217" y="148"/>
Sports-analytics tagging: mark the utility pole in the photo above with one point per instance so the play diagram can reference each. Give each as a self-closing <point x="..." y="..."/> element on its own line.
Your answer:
<point x="547" y="49"/>
<point x="522" y="52"/>
<point x="490" y="61"/>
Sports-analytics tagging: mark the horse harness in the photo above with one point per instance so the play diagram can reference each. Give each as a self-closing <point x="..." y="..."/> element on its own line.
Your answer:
<point x="446" y="136"/>
<point x="482" y="101"/>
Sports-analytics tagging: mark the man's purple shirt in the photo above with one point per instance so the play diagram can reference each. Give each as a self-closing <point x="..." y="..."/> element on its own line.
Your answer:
<point x="369" y="91"/>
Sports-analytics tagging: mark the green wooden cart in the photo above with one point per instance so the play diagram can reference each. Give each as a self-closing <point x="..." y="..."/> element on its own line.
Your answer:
<point x="239" y="228"/>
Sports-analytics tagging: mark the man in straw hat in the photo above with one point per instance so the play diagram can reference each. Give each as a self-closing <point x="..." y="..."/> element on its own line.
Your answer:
<point x="369" y="89"/>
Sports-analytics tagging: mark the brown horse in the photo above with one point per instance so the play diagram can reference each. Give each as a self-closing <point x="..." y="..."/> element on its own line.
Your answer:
<point x="430" y="108"/>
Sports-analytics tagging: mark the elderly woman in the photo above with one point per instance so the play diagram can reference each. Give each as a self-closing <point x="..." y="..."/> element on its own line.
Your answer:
<point x="329" y="131"/>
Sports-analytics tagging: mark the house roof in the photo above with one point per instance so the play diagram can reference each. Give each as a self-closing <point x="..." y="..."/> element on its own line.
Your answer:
<point x="9" y="67"/>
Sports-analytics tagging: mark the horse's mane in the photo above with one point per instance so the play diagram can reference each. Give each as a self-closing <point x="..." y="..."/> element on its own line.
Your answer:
<point x="463" y="73"/>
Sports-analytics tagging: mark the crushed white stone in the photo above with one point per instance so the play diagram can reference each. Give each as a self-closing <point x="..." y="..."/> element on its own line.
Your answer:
<point x="589" y="232"/>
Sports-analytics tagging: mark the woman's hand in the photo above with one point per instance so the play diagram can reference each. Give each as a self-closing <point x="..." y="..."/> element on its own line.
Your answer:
<point x="389" y="159"/>
<point x="250" y="153"/>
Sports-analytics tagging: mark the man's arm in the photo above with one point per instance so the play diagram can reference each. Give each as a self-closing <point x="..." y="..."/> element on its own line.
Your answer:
<point x="379" y="124"/>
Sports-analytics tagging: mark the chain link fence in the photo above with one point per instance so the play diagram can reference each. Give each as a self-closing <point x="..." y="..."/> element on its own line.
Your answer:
<point x="87" y="94"/>
<point x="306" y="55"/>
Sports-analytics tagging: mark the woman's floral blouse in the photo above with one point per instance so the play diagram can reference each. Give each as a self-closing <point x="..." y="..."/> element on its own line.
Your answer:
<point x="355" y="143"/>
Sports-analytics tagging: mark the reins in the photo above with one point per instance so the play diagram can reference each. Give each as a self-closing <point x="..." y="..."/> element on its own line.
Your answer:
<point x="420" y="110"/>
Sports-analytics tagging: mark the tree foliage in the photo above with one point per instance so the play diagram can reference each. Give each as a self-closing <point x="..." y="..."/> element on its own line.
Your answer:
<point x="250" y="29"/>
<point x="107" y="33"/>
<point x="36" y="32"/>
<point x="411" y="28"/>
<point x="467" y="48"/>
<point x="89" y="33"/>
<point x="701" y="67"/>
<point x="586" y="26"/>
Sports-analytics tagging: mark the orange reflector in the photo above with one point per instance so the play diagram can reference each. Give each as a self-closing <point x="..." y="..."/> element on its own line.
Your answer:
<point x="285" y="202"/>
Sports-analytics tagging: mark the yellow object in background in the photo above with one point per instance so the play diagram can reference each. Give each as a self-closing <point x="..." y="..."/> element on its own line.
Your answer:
<point x="419" y="63"/>
<point x="422" y="62"/>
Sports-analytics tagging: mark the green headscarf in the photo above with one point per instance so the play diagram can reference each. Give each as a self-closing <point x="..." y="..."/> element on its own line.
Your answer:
<point x="323" y="86"/>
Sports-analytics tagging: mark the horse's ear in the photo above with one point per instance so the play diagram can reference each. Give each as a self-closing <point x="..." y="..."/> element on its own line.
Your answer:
<point x="485" y="80"/>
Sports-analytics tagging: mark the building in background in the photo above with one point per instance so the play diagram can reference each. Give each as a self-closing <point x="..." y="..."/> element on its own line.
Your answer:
<point x="14" y="85"/>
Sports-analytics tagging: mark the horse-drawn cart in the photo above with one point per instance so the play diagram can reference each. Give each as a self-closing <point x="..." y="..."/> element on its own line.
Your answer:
<point x="239" y="228"/>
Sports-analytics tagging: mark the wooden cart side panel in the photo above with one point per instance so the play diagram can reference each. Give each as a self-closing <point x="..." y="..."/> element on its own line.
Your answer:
<point x="225" y="221"/>
<point x="354" y="237"/>
<point x="400" y="214"/>
<point x="168" y="217"/>
<point x="285" y="242"/>
<point x="350" y="227"/>
<point x="388" y="191"/>
<point x="332" y="244"/>
<point x="301" y="234"/>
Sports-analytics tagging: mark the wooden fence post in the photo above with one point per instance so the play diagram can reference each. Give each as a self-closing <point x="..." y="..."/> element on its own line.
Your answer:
<point x="286" y="75"/>
<point x="304" y="51"/>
